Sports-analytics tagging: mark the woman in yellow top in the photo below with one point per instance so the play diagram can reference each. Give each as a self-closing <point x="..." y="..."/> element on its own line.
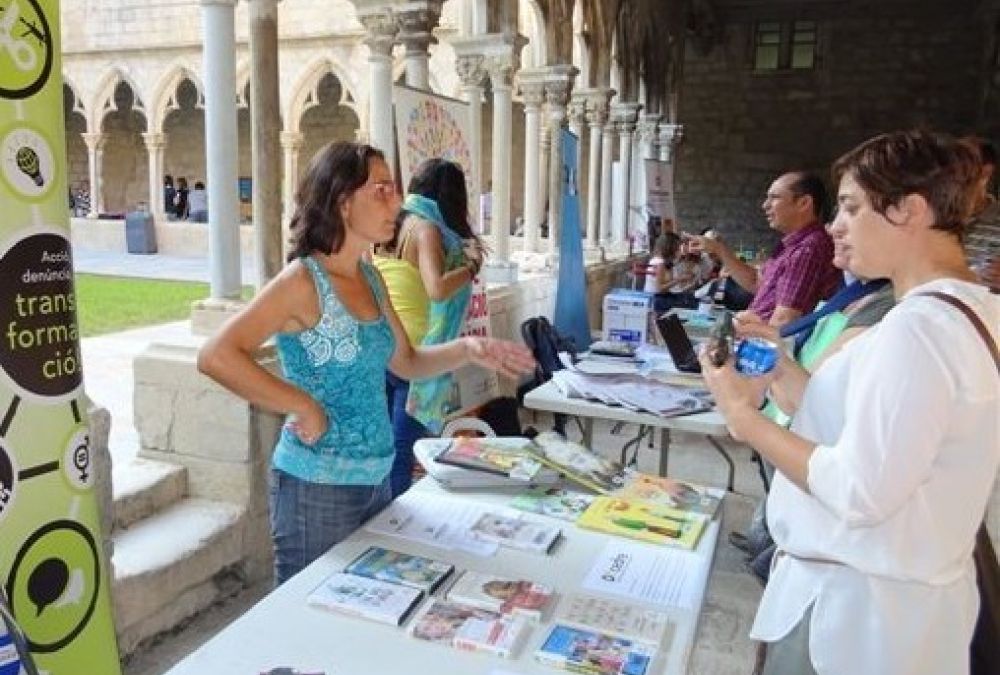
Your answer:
<point x="428" y="269"/>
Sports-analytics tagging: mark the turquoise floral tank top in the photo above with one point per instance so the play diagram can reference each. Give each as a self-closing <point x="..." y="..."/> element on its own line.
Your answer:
<point x="341" y="362"/>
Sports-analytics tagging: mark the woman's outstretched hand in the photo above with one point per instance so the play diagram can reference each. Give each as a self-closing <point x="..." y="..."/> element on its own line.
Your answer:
<point x="736" y="396"/>
<point x="505" y="357"/>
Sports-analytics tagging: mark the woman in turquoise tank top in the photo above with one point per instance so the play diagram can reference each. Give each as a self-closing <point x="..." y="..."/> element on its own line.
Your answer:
<point x="336" y="335"/>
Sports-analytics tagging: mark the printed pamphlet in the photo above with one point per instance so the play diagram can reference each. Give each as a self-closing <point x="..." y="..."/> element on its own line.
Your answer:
<point x="469" y="628"/>
<point x="578" y="463"/>
<point x="553" y="501"/>
<point x="368" y="598"/>
<point x="515" y="532"/>
<point x="503" y="456"/>
<point x="500" y="594"/>
<point x="400" y="568"/>
<point x="586" y="651"/>
<point x="647" y="522"/>
<point x="678" y="494"/>
<point x="616" y="618"/>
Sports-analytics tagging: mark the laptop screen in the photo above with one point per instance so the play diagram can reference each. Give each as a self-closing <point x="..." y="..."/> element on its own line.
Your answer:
<point x="678" y="343"/>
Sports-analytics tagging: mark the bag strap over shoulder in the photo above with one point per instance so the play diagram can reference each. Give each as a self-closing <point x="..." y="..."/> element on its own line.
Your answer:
<point x="981" y="328"/>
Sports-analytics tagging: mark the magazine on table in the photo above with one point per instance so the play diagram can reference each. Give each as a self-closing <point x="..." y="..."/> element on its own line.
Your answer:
<point x="369" y="598"/>
<point x="400" y="568"/>
<point x="678" y="494"/>
<point x="585" y="651"/>
<point x="556" y="502"/>
<point x="506" y="456"/>
<point x="501" y="594"/>
<point x="652" y="523"/>
<point x="578" y="463"/>
<point x="515" y="532"/>
<point x="616" y="618"/>
<point x="469" y="628"/>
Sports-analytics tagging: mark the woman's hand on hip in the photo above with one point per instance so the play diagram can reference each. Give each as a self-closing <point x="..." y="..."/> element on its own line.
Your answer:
<point x="309" y="423"/>
<point x="505" y="357"/>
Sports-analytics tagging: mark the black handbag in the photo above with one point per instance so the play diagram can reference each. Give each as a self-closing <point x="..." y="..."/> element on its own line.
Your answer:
<point x="984" y="652"/>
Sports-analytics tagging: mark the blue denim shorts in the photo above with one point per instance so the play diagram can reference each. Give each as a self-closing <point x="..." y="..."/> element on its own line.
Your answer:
<point x="309" y="518"/>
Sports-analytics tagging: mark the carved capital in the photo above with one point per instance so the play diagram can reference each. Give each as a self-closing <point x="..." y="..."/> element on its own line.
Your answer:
<point x="381" y="30"/>
<point x="577" y="109"/>
<point x="533" y="93"/>
<point x="649" y="127"/>
<point x="597" y="106"/>
<point x="154" y="141"/>
<point x="671" y="134"/>
<point x="94" y="141"/>
<point x="624" y="116"/>
<point x="471" y="69"/>
<point x="415" y="26"/>
<point x="501" y="69"/>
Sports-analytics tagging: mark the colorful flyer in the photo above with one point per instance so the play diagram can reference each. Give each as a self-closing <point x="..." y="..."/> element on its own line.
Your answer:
<point x="52" y="568"/>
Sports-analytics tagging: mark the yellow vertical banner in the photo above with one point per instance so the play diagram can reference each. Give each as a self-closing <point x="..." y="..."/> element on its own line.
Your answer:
<point x="51" y="563"/>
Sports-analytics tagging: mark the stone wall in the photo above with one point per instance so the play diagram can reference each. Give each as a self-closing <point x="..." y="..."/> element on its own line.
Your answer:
<point x="881" y="65"/>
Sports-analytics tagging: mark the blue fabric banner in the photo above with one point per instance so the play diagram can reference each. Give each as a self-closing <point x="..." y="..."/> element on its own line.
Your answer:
<point x="571" y="317"/>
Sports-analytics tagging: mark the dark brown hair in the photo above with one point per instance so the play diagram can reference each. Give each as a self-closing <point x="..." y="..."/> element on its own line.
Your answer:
<point x="334" y="174"/>
<point x="935" y="166"/>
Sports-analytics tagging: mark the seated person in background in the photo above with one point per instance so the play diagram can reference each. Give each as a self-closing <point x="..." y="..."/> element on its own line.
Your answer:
<point x="659" y="269"/>
<point x="982" y="246"/>
<point x="800" y="271"/>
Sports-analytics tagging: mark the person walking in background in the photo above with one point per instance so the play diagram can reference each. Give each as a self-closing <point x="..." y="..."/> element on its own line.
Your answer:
<point x="169" y="195"/>
<point x="428" y="269"/>
<point x="181" y="199"/>
<point x="800" y="272"/>
<point x="883" y="478"/>
<point x="198" y="203"/>
<point x="336" y="335"/>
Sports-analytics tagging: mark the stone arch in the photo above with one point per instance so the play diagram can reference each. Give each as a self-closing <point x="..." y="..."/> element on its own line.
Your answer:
<point x="532" y="25"/>
<point x="304" y="95"/>
<point x="325" y="117"/>
<point x="75" y="120"/>
<point x="125" y="166"/>
<point x="104" y="99"/>
<point x="581" y="47"/>
<point x="165" y="93"/>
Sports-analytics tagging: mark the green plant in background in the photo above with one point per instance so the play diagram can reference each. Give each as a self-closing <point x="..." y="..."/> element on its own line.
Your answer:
<point x="109" y="304"/>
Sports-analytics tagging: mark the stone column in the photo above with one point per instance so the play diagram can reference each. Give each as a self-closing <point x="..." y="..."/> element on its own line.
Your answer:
<point x="670" y="136"/>
<point x="95" y="165"/>
<point x="624" y="117"/>
<point x="471" y="73"/>
<point x="597" y="119"/>
<point x="291" y="144"/>
<point x="531" y="84"/>
<point x="219" y="53"/>
<point x="575" y="114"/>
<point x="558" y="83"/>
<point x="544" y="143"/>
<point x="155" y="144"/>
<point x="416" y="21"/>
<point x="381" y="27"/>
<point x="501" y="65"/>
<point x="265" y="125"/>
<point x="647" y="134"/>
<point x="607" y="159"/>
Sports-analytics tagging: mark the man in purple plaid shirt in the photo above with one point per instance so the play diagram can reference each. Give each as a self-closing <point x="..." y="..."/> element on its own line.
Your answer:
<point x="800" y="271"/>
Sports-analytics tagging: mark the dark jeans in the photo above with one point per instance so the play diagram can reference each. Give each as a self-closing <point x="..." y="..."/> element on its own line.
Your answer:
<point x="405" y="432"/>
<point x="308" y="518"/>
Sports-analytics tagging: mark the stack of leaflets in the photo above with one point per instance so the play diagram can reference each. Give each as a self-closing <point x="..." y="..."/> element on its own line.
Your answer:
<point x="469" y="628"/>
<point x="616" y="618"/>
<point x="633" y="392"/>
<point x="671" y="492"/>
<point x="578" y="463"/>
<point x="556" y="502"/>
<point x="503" y="595"/>
<point x="585" y="651"/>
<point x="514" y="532"/>
<point x="502" y="456"/>
<point x="651" y="523"/>
<point x="369" y="598"/>
<point x="400" y="568"/>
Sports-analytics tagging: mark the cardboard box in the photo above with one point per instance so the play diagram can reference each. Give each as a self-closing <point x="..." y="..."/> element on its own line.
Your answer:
<point x="628" y="316"/>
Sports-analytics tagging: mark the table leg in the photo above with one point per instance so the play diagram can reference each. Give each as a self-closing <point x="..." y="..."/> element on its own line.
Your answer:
<point x="588" y="432"/>
<point x="661" y="464"/>
<point x="729" y="460"/>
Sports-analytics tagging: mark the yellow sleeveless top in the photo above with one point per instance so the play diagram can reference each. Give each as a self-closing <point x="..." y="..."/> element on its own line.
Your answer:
<point x="408" y="295"/>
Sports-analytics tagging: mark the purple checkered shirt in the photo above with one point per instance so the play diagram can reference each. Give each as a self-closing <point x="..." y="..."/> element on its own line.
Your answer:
<point x="798" y="274"/>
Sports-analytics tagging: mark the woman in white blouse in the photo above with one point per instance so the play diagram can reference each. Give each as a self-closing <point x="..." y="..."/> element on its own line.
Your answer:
<point x="884" y="476"/>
